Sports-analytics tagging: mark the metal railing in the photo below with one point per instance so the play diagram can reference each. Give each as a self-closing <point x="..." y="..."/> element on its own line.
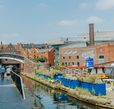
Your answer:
<point x="18" y="82"/>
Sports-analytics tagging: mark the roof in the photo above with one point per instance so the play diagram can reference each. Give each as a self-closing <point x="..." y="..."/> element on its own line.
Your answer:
<point x="58" y="41"/>
<point x="45" y="50"/>
<point x="99" y="36"/>
<point x="81" y="44"/>
<point x="29" y="46"/>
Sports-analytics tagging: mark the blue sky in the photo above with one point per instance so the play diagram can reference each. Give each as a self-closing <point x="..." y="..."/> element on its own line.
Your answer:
<point x="36" y="21"/>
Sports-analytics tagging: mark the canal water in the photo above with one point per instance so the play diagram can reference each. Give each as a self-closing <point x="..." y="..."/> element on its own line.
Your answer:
<point x="47" y="98"/>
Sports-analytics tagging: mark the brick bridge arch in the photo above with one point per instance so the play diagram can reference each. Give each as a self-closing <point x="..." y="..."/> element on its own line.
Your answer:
<point x="27" y="65"/>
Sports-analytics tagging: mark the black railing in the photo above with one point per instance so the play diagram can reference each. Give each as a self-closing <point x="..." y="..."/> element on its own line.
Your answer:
<point x="18" y="82"/>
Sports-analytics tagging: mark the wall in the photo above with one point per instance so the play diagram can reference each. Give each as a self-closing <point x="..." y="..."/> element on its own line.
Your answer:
<point x="105" y="50"/>
<point x="29" y="66"/>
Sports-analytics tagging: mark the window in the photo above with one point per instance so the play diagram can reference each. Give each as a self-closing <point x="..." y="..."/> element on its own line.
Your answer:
<point x="101" y="57"/>
<point x="78" y="64"/>
<point x="63" y="63"/>
<point x="66" y="63"/>
<point x="69" y="63"/>
<point x="63" y="57"/>
<point x="69" y="57"/>
<point x="57" y="48"/>
<point x="72" y="63"/>
<point x="77" y="57"/>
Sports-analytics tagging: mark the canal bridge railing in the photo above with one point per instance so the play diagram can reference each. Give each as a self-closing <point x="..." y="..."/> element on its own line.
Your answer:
<point x="17" y="79"/>
<point x="12" y="56"/>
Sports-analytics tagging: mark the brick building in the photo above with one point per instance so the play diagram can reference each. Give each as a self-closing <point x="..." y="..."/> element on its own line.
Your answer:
<point x="77" y="56"/>
<point x="82" y="40"/>
<point x="30" y="51"/>
<point x="34" y="52"/>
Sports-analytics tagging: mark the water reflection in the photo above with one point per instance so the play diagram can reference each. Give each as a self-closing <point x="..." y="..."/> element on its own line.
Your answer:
<point x="47" y="98"/>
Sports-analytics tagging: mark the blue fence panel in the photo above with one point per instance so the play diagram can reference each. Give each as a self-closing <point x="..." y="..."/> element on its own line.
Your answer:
<point x="74" y="84"/>
<point x="100" y="89"/>
<point x="57" y="76"/>
<point x="83" y="85"/>
<point x="97" y="89"/>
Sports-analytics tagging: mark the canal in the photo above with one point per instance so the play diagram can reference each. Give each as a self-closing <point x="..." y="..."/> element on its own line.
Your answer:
<point x="47" y="98"/>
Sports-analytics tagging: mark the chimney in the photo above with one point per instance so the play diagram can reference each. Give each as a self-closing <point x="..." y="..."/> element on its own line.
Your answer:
<point x="91" y="34"/>
<point x="1" y="45"/>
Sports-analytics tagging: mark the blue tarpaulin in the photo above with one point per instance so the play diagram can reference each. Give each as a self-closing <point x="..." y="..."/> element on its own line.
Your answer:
<point x="93" y="88"/>
<point x="96" y="89"/>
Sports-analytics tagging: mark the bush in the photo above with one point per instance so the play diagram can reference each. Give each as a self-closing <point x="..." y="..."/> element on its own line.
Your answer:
<point x="38" y="66"/>
<point x="82" y="91"/>
<point x="90" y="79"/>
<point x="56" y="67"/>
<point x="80" y="78"/>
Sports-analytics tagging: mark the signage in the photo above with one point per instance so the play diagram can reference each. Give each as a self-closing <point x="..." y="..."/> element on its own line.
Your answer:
<point x="89" y="63"/>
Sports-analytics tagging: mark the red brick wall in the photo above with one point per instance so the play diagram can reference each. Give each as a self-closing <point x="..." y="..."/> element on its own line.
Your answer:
<point x="51" y="56"/>
<point x="106" y="50"/>
<point x="29" y="66"/>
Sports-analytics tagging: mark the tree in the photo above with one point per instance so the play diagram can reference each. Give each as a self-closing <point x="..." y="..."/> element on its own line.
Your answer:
<point x="42" y="59"/>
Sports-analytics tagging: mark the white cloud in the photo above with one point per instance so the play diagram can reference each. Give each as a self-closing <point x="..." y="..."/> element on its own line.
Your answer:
<point x="105" y="4"/>
<point x="81" y="22"/>
<point x="94" y="19"/>
<point x="68" y="23"/>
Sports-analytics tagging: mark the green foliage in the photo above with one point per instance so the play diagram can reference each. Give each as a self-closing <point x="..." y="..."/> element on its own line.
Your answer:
<point x="38" y="65"/>
<point x="40" y="59"/>
<point x="104" y="97"/>
<point x="93" y="91"/>
<point x="90" y="79"/>
<point x="56" y="67"/>
<point x="79" y="78"/>
<point x="82" y="91"/>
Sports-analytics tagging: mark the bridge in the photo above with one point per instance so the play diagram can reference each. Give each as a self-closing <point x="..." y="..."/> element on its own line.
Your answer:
<point x="23" y="62"/>
<point x="11" y="56"/>
<point x="10" y="98"/>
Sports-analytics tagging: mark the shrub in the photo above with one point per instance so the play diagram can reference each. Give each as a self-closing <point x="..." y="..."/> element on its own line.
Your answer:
<point x="79" y="78"/>
<point x="90" y="79"/>
<point x="82" y="91"/>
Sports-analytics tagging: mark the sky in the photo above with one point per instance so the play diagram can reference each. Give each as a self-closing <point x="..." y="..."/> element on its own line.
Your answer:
<point x="37" y="21"/>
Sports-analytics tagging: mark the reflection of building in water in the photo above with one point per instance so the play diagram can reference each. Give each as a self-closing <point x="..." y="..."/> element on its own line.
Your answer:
<point x="37" y="104"/>
<point x="45" y="90"/>
<point x="46" y="98"/>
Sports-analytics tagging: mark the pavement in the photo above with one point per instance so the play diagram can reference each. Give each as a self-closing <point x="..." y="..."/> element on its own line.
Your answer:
<point x="10" y="97"/>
